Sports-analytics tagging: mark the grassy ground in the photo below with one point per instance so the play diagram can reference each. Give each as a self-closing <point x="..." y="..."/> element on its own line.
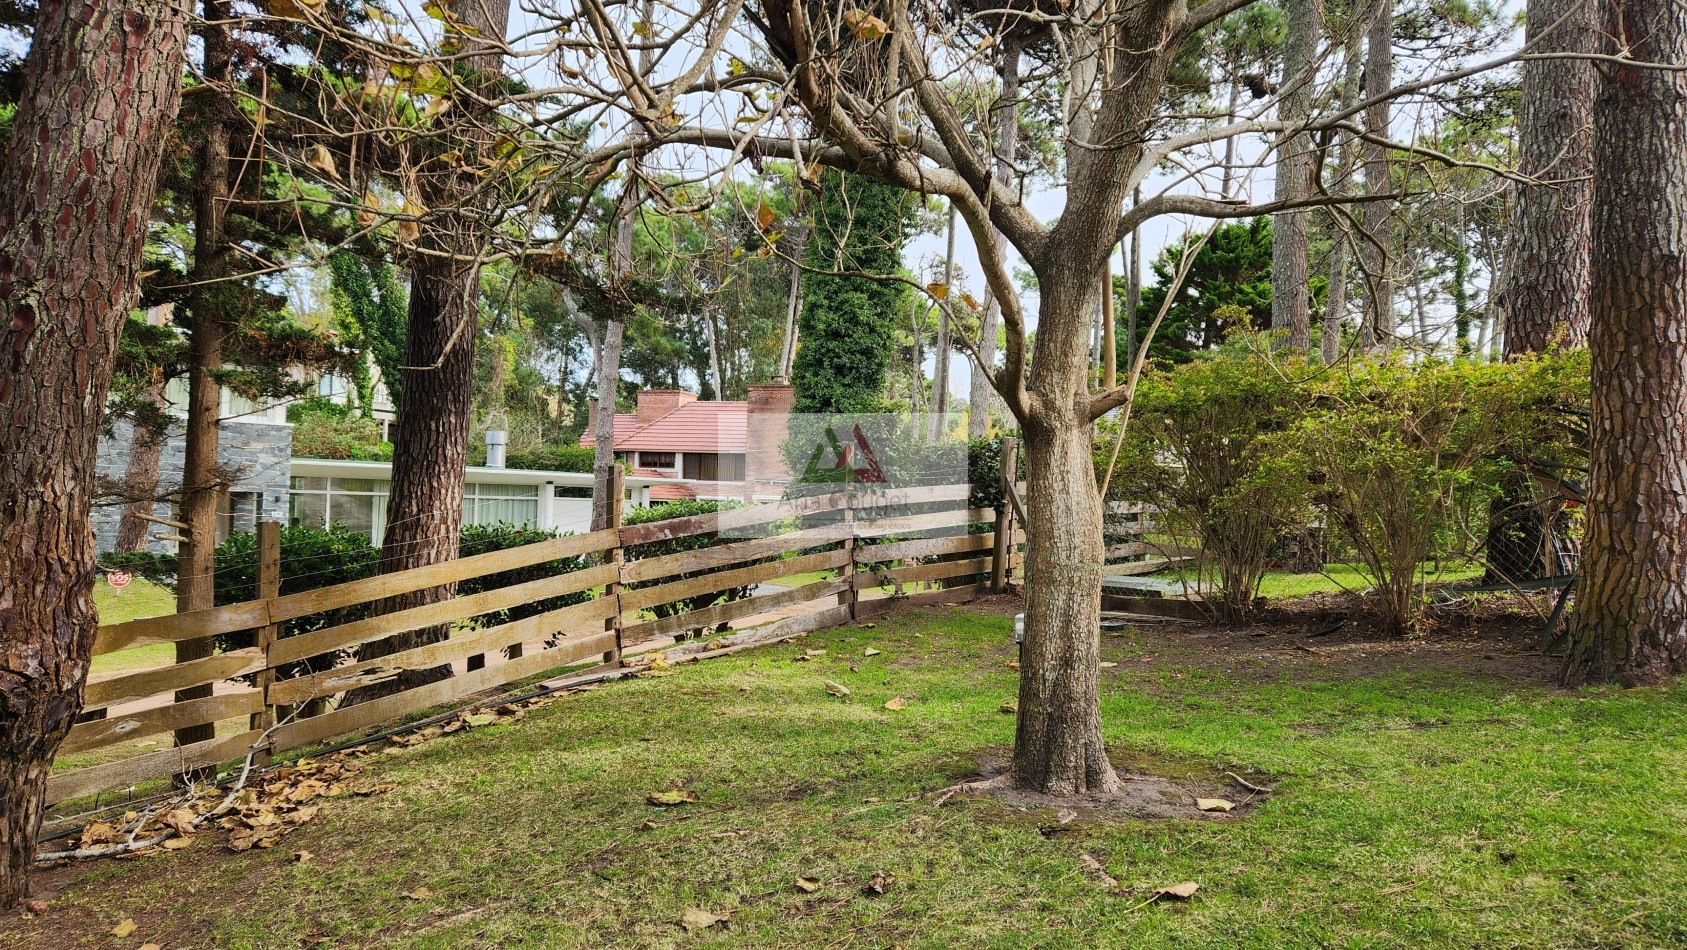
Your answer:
<point x="1431" y="794"/>
<point x="138" y="600"/>
<point x="1336" y="578"/>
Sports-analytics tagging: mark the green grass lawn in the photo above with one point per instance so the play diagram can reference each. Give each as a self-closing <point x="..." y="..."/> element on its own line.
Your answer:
<point x="139" y="600"/>
<point x="1351" y="577"/>
<point x="1429" y="794"/>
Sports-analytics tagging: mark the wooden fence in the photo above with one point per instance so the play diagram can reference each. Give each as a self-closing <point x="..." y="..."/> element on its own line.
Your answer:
<point x="857" y="561"/>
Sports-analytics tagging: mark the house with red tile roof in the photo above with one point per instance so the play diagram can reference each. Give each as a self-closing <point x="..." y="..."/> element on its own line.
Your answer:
<point x="719" y="450"/>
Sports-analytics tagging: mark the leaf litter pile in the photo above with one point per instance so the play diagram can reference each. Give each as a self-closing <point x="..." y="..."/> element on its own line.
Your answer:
<point x="263" y="807"/>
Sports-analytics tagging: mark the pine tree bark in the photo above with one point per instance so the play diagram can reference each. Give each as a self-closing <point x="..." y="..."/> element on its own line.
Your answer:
<point x="202" y="487"/>
<point x="1377" y="328"/>
<point x="1291" y="231"/>
<point x="1549" y="261"/>
<point x="101" y="85"/>
<point x="1630" y="623"/>
<point x="1341" y="250"/>
<point x="425" y="503"/>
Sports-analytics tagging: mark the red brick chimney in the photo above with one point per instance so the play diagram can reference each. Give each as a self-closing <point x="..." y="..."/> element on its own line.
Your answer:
<point x="653" y="404"/>
<point x="767" y="428"/>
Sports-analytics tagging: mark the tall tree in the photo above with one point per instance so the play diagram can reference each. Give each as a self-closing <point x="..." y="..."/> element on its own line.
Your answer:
<point x="1377" y="244"/>
<point x="1291" y="297"/>
<point x="1547" y="297"/>
<point x="101" y="85"/>
<point x="1630" y="623"/>
<point x="425" y="506"/>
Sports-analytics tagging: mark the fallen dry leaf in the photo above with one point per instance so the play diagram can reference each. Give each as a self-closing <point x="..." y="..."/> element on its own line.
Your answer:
<point x="678" y="796"/>
<point x="695" y="919"/>
<point x="178" y="843"/>
<point x="836" y="689"/>
<point x="124" y="928"/>
<point x="1214" y="804"/>
<point x="1096" y="868"/>
<point x="1105" y="664"/>
<point x="877" y="883"/>
<point x="151" y="946"/>
<point x="1012" y="664"/>
<point x="1182" y="890"/>
<point x="807" y="885"/>
<point x="419" y="894"/>
<point x="1011" y="706"/>
<point x="897" y="703"/>
<point x="35" y="907"/>
<point x="870" y="652"/>
<point x="303" y="856"/>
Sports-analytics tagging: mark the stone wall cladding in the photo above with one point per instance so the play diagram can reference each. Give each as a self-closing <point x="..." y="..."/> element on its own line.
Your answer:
<point x="260" y="452"/>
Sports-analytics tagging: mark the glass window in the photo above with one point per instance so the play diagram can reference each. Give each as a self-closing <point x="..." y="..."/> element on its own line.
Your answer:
<point x="353" y="512"/>
<point x="307" y="509"/>
<point x="656" y="459"/>
<point x="308" y="484"/>
<point x="354" y="484"/>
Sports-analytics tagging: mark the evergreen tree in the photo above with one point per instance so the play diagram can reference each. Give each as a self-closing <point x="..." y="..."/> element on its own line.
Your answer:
<point x="848" y="322"/>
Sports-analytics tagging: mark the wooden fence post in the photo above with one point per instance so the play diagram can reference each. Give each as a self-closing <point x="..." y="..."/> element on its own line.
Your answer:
<point x="849" y="597"/>
<point x="269" y="587"/>
<point x="1003" y="552"/>
<point x="617" y="557"/>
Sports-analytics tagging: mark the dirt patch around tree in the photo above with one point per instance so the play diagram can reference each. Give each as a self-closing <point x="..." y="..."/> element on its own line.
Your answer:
<point x="1142" y="795"/>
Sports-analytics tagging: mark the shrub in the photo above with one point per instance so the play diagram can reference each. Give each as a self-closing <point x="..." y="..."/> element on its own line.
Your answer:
<point x="696" y="542"/>
<point x="1409" y="455"/>
<point x="483" y="539"/>
<point x="554" y="458"/>
<point x="1213" y="445"/>
<point x="326" y="430"/>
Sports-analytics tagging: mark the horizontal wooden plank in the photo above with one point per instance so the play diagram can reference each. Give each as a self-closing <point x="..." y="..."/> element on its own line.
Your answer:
<point x="732" y="519"/>
<point x="805" y="623"/>
<point x="720" y="613"/>
<point x="578" y="618"/>
<point x="922" y="572"/>
<point x="949" y="595"/>
<point x="63" y="786"/>
<point x="954" y="519"/>
<point x="387" y="708"/>
<point x="643" y="597"/>
<point x="309" y="602"/>
<point x="705" y="559"/>
<point x="103" y="732"/>
<point x="924" y="547"/>
<point x="174" y="628"/>
<point x="290" y="649"/>
<point x="128" y="687"/>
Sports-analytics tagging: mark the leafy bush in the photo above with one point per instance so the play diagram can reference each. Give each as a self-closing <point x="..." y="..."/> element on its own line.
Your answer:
<point x="327" y="430"/>
<point x="696" y="542"/>
<point x="483" y="539"/>
<point x="1214" y="444"/>
<point x="1409" y="454"/>
<point x="555" y="458"/>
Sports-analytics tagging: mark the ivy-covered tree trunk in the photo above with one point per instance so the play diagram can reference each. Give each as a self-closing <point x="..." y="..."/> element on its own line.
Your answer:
<point x="100" y="88"/>
<point x="847" y="325"/>
<point x="1630" y="623"/>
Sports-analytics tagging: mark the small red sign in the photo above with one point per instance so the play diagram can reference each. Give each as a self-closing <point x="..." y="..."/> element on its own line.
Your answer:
<point x="118" y="579"/>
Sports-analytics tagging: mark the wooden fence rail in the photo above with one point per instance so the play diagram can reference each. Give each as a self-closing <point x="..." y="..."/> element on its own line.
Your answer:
<point x="928" y="547"/>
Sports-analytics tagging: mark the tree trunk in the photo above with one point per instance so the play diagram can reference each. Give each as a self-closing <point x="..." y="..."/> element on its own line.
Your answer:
<point x="1548" y="272"/>
<point x="100" y="87"/>
<point x="792" y="307"/>
<point x="196" y="570"/>
<point x="425" y="501"/>
<point x="1291" y="298"/>
<point x="1006" y="117"/>
<point x="140" y="476"/>
<point x="1377" y="328"/>
<point x="1630" y="624"/>
<point x="1057" y="745"/>
<point x="940" y="368"/>
<point x="1341" y="248"/>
